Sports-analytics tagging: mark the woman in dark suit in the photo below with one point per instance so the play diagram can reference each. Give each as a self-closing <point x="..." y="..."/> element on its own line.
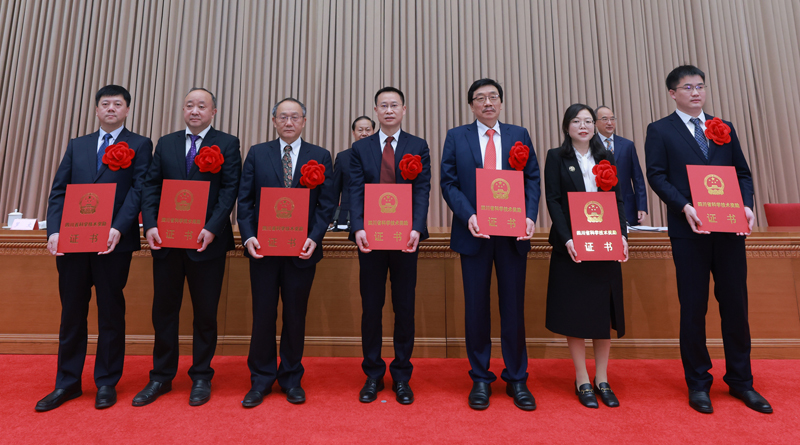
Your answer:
<point x="584" y="299"/>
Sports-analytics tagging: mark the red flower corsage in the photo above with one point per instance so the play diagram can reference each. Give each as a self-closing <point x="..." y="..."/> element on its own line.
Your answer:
<point x="209" y="159"/>
<point x="717" y="131"/>
<point x="519" y="156"/>
<point x="605" y="175"/>
<point x="313" y="174"/>
<point x="118" y="156"/>
<point x="410" y="166"/>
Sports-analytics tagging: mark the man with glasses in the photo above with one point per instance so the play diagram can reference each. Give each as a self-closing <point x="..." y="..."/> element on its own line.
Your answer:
<point x="486" y="143"/>
<point x="278" y="163"/>
<point x="672" y="143"/>
<point x="375" y="160"/>
<point x="628" y="168"/>
<point x="362" y="127"/>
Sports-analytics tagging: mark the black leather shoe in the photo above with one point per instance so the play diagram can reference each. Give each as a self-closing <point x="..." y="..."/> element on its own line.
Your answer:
<point x="523" y="399"/>
<point x="254" y="398"/>
<point x="106" y="397"/>
<point x="700" y="401"/>
<point x="606" y="394"/>
<point x="753" y="400"/>
<point x="479" y="396"/>
<point x="370" y="390"/>
<point x="404" y="394"/>
<point x="57" y="398"/>
<point x="201" y="392"/>
<point x="151" y="392"/>
<point x="295" y="395"/>
<point x="586" y="395"/>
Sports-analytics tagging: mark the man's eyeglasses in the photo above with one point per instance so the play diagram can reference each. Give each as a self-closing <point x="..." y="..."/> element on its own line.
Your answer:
<point x="482" y="99"/>
<point x="700" y="87"/>
<point x="283" y="118"/>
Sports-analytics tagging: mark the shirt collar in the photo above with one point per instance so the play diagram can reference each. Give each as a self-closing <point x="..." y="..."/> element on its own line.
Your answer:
<point x="603" y="138"/>
<point x="580" y="156"/>
<point x="482" y="128"/>
<point x="295" y="145"/>
<point x="202" y="133"/>
<point x="686" y="118"/>
<point x="383" y="136"/>
<point x="114" y="134"/>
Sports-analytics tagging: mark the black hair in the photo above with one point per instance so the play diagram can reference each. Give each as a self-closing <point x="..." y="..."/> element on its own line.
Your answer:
<point x="112" y="90"/>
<point x="481" y="83"/>
<point x="675" y="76"/>
<point x="213" y="98"/>
<point x="389" y="90"/>
<point x="288" y="99"/>
<point x="595" y="146"/>
<point x="353" y="127"/>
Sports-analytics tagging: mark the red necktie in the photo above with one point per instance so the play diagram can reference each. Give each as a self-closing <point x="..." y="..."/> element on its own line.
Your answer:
<point x="387" y="163"/>
<point x="490" y="159"/>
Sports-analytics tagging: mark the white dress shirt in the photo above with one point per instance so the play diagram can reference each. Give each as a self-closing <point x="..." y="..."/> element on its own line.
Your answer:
<point x="383" y="136"/>
<point x="114" y="135"/>
<point x="586" y="163"/>
<point x="686" y="120"/>
<point x="294" y="153"/>
<point x="198" y="142"/>
<point x="484" y="141"/>
<point x="610" y="146"/>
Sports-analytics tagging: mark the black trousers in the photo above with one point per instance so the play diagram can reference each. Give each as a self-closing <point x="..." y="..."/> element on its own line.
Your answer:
<point x="77" y="273"/>
<point x="374" y="267"/>
<point x="723" y="255"/>
<point x="205" y="284"/>
<point x="272" y="278"/>
<point x="476" y="271"/>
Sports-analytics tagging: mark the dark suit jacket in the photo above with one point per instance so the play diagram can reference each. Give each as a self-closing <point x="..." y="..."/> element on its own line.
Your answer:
<point x="169" y="162"/>
<point x="460" y="157"/>
<point x="669" y="148"/>
<point x="365" y="168"/>
<point x="341" y="180"/>
<point x="558" y="182"/>
<point x="79" y="166"/>
<point x="263" y="167"/>
<point x="628" y="169"/>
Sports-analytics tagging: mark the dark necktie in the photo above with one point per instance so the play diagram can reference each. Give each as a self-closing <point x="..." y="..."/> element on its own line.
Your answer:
<point x="490" y="158"/>
<point x="699" y="136"/>
<point x="192" y="153"/>
<point x="287" y="166"/>
<point x="102" y="150"/>
<point x="387" y="163"/>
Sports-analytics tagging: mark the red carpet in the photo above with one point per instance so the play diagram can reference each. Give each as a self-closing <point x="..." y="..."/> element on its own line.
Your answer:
<point x="652" y="394"/>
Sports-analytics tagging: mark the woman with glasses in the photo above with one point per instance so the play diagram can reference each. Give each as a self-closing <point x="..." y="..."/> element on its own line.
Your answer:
<point x="584" y="299"/>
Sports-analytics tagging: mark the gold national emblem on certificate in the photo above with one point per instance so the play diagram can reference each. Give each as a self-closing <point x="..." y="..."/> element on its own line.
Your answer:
<point x="388" y="202"/>
<point x="183" y="200"/>
<point x="284" y="208"/>
<point x="500" y="188"/>
<point x="593" y="211"/>
<point x="88" y="203"/>
<point x="714" y="185"/>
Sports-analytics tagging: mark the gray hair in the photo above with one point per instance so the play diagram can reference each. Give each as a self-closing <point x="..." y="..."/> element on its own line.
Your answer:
<point x="275" y="108"/>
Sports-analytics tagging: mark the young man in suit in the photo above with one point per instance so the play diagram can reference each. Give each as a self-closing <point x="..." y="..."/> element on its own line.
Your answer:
<point x="375" y="160"/>
<point x="107" y="272"/>
<point x="467" y="148"/>
<point x="278" y="163"/>
<point x="673" y="143"/>
<point x="628" y="168"/>
<point x="202" y="268"/>
<point x="362" y="127"/>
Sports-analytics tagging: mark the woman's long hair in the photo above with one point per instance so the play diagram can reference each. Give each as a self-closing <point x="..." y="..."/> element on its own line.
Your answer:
<point x="595" y="146"/>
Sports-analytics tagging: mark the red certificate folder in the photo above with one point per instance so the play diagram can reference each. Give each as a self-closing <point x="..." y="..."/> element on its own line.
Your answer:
<point x="388" y="216"/>
<point x="595" y="226"/>
<point x="86" y="218"/>
<point x="717" y="198"/>
<point x="501" y="202"/>
<point x="182" y="213"/>
<point x="283" y="221"/>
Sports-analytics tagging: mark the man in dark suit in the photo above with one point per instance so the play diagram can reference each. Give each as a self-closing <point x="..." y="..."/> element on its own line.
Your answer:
<point x="203" y="268"/>
<point x="673" y="143"/>
<point x="277" y="164"/>
<point x="628" y="168"/>
<point x="108" y="273"/>
<point x="362" y="127"/>
<point x="376" y="160"/>
<point x="467" y="148"/>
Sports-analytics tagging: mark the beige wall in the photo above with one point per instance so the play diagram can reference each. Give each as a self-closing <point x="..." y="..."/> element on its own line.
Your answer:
<point x="333" y="55"/>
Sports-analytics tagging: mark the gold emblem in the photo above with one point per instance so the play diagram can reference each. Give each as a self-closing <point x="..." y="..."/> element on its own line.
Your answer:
<point x="593" y="211"/>
<point x="89" y="203"/>
<point x="714" y="185"/>
<point x="388" y="202"/>
<point x="571" y="168"/>
<point x="183" y="200"/>
<point x="500" y="188"/>
<point x="284" y="208"/>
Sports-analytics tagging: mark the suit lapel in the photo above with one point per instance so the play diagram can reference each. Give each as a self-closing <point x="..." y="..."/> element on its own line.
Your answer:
<point x="473" y="140"/>
<point x="507" y="141"/>
<point x="402" y="147"/>
<point x="712" y="146"/>
<point x="123" y="136"/>
<point x="87" y="156"/>
<point x="207" y="142"/>
<point x="302" y="159"/>
<point x="688" y="137"/>
<point x="575" y="173"/>
<point x="275" y="155"/>
<point x="376" y="153"/>
<point x="179" y="153"/>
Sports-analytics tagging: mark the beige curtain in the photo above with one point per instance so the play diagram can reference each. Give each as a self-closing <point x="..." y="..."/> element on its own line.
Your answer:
<point x="333" y="55"/>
